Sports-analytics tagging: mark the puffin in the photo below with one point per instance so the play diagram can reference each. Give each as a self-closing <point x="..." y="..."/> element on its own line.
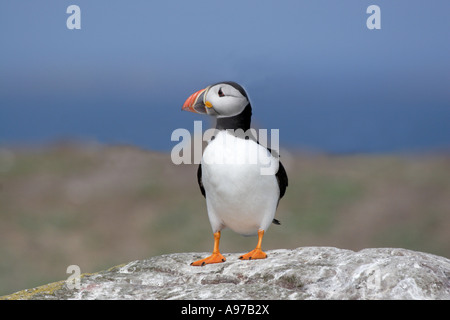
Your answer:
<point x="241" y="180"/>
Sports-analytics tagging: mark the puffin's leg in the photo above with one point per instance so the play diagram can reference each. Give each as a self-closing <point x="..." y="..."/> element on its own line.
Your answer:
<point x="216" y="256"/>
<point x="256" y="253"/>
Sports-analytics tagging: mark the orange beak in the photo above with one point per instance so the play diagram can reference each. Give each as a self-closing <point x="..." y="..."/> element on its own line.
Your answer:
<point x="195" y="102"/>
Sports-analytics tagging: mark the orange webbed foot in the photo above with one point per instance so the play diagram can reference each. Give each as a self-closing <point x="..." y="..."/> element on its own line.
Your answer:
<point x="254" y="254"/>
<point x="214" y="258"/>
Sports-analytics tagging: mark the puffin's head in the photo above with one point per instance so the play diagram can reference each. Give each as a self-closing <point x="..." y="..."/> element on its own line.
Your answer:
<point x="224" y="99"/>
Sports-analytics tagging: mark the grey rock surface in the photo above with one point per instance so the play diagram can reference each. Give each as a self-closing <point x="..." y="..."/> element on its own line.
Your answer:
<point x="302" y="273"/>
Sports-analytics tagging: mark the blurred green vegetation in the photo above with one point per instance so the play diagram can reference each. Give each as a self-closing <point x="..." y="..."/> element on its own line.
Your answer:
<point x="98" y="206"/>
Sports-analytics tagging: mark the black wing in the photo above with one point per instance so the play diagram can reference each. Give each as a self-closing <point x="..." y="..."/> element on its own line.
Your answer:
<point x="199" y="179"/>
<point x="281" y="174"/>
<point x="282" y="179"/>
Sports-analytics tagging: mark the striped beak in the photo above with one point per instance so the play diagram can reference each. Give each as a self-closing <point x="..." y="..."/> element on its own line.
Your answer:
<point x="195" y="103"/>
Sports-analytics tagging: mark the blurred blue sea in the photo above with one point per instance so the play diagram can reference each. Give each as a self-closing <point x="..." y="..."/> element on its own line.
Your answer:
<point x="312" y="69"/>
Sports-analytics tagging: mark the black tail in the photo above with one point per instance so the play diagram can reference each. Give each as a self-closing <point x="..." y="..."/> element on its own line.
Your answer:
<point x="275" y="221"/>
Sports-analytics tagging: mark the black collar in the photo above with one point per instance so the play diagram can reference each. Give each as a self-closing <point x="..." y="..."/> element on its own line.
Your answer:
<point x="240" y="121"/>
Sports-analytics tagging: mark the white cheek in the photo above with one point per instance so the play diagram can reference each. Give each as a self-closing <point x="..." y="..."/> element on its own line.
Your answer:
<point x="229" y="106"/>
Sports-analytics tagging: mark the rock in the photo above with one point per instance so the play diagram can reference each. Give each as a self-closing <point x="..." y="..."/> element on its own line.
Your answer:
<point x="302" y="273"/>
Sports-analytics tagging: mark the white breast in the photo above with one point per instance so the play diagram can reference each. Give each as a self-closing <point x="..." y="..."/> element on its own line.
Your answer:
<point x="241" y="189"/>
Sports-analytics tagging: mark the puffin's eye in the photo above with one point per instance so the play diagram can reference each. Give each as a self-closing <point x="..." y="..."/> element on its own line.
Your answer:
<point x="221" y="93"/>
